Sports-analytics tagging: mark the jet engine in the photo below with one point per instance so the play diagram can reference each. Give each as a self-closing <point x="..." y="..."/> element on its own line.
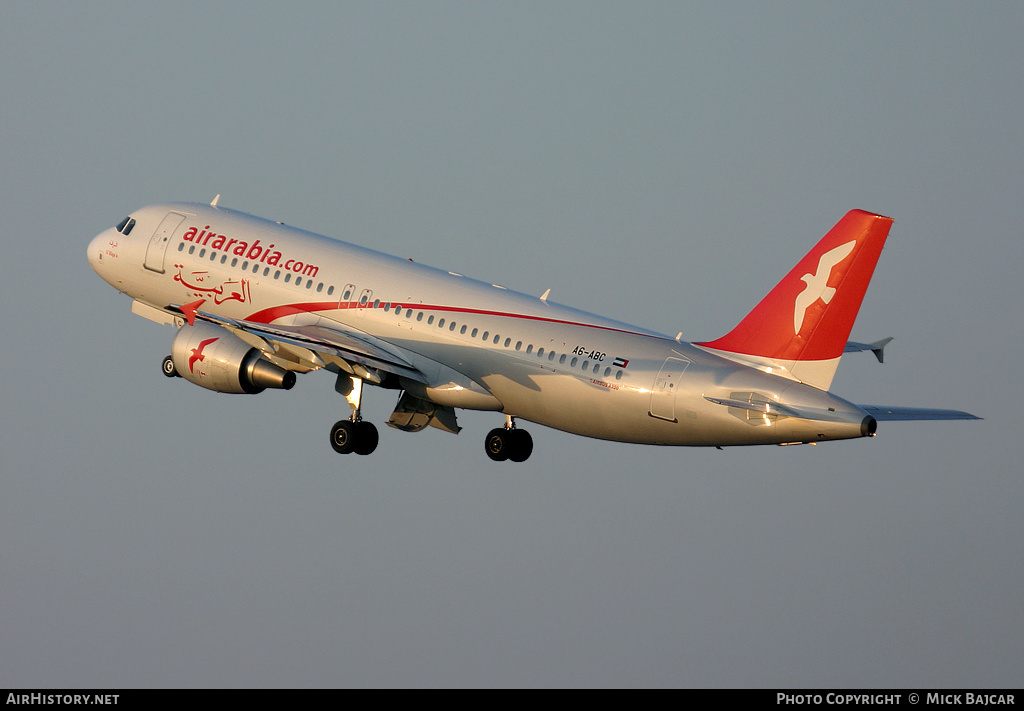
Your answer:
<point x="216" y="359"/>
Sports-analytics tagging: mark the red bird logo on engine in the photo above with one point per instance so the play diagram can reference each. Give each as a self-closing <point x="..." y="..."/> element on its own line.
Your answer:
<point x="197" y="353"/>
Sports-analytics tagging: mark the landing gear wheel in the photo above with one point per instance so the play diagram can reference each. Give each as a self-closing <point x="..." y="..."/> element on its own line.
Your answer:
<point x="366" y="438"/>
<point x="522" y="445"/>
<point x="343" y="436"/>
<point x="359" y="437"/>
<point x="497" y="444"/>
<point x="168" y="367"/>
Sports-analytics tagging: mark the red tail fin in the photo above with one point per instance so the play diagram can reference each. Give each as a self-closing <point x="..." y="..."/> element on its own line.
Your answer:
<point x="809" y="314"/>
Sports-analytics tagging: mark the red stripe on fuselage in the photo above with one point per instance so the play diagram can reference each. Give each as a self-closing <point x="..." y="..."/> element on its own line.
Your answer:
<point x="270" y="315"/>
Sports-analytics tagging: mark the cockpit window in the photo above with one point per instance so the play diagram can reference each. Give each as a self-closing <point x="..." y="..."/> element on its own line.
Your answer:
<point x="125" y="226"/>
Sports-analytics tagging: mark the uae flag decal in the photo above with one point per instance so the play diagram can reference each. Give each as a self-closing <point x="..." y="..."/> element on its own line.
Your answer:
<point x="620" y="363"/>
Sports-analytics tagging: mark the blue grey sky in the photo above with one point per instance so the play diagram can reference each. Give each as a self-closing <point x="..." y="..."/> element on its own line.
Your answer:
<point x="661" y="163"/>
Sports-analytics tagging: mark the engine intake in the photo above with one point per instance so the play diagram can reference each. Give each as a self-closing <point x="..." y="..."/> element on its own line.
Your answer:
<point x="214" y="358"/>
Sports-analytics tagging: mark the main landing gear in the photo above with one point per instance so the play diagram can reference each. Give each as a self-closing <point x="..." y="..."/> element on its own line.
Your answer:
<point x="509" y="443"/>
<point x="359" y="437"/>
<point x="353" y="435"/>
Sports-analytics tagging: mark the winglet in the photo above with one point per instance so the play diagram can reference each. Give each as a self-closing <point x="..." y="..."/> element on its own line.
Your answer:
<point x="190" y="311"/>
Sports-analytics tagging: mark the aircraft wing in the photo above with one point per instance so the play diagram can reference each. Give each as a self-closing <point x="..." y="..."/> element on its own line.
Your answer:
<point x="303" y="341"/>
<point x="881" y="413"/>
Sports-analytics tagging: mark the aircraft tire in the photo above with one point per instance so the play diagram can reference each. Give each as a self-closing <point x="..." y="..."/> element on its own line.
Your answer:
<point x="497" y="444"/>
<point x="168" y="367"/>
<point x="343" y="437"/>
<point x="522" y="445"/>
<point x="366" y="438"/>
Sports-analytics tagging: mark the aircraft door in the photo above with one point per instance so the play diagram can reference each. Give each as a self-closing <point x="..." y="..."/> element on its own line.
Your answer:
<point x="666" y="385"/>
<point x="346" y="296"/>
<point x="158" y="242"/>
<point x="365" y="300"/>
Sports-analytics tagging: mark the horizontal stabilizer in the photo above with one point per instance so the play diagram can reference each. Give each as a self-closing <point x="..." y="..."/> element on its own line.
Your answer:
<point x="881" y="413"/>
<point x="766" y="408"/>
<point x="774" y="408"/>
<point x="878" y="348"/>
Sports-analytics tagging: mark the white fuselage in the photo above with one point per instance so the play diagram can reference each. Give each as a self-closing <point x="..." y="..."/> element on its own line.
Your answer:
<point x="537" y="360"/>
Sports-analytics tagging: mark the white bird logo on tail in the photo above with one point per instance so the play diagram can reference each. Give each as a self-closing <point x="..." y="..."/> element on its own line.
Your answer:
<point x="817" y="283"/>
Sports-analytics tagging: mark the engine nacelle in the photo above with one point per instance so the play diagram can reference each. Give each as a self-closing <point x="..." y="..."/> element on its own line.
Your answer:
<point x="216" y="359"/>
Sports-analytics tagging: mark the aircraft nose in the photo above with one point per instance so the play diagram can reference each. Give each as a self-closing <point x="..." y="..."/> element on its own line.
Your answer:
<point x="95" y="251"/>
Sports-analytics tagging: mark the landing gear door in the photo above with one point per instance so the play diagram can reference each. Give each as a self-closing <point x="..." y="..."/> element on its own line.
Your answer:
<point x="666" y="385"/>
<point x="158" y="242"/>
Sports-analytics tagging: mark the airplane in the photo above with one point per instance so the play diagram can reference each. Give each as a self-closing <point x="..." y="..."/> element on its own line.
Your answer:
<point x="256" y="302"/>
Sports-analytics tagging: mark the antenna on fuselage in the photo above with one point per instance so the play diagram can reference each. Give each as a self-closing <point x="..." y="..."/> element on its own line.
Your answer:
<point x="544" y="296"/>
<point x="214" y="202"/>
